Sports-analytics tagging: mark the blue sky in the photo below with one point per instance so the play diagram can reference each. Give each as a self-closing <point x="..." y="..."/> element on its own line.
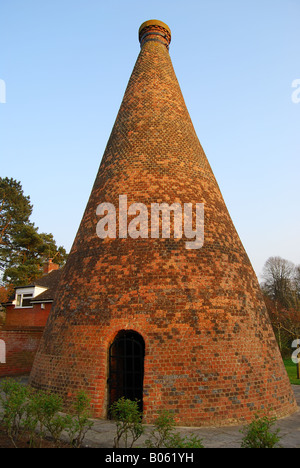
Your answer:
<point x="66" y="64"/>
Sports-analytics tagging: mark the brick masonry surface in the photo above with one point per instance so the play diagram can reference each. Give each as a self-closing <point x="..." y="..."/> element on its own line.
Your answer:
<point x="210" y="352"/>
<point x="20" y="348"/>
<point x="21" y="334"/>
<point x="27" y="317"/>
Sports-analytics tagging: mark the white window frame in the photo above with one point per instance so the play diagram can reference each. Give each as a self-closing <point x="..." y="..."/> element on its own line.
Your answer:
<point x="21" y="292"/>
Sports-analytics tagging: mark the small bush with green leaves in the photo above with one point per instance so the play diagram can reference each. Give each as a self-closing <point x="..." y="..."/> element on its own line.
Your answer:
<point x="177" y="441"/>
<point x="33" y="421"/>
<point x="163" y="435"/>
<point x="13" y="399"/>
<point x="78" y="424"/>
<point x="40" y="414"/>
<point x="163" y="429"/>
<point x="128" y="418"/>
<point x="258" y="433"/>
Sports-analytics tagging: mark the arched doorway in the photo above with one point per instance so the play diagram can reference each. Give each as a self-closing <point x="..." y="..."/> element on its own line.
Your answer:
<point x="126" y="367"/>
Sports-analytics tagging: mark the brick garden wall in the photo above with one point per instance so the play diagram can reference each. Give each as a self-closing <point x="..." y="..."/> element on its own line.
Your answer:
<point x="21" y="333"/>
<point x="21" y="346"/>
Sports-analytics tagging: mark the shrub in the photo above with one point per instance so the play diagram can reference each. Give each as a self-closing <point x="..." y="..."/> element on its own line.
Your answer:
<point x="32" y="420"/>
<point x="13" y="398"/>
<point x="258" y="434"/>
<point x="163" y="435"/>
<point x="43" y="412"/>
<point x="79" y="424"/>
<point x="128" y="419"/>
<point x="177" y="441"/>
<point x="163" y="428"/>
<point x="40" y="413"/>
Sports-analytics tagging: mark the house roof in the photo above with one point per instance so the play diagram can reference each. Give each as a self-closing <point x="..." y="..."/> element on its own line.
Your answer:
<point x="49" y="281"/>
<point x="44" y="281"/>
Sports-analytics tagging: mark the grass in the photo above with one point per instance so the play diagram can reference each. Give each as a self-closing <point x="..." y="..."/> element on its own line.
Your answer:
<point x="291" y="369"/>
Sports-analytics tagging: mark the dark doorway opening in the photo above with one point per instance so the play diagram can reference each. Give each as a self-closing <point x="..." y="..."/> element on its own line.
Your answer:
<point x="126" y="367"/>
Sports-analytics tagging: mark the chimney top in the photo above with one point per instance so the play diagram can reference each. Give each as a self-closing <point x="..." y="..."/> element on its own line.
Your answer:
<point x="50" y="266"/>
<point x="155" y="30"/>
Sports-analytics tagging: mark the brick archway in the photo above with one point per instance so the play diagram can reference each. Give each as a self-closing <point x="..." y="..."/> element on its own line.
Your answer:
<point x="126" y="367"/>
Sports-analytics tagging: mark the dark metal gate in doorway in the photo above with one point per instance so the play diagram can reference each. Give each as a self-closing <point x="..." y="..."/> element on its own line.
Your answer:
<point x="126" y="367"/>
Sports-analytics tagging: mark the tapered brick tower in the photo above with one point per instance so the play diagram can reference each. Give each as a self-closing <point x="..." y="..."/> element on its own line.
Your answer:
<point x="182" y="329"/>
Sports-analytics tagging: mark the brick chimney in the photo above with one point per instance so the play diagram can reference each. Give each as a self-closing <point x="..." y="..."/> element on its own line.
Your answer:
<point x="184" y="330"/>
<point x="156" y="31"/>
<point x="50" y="266"/>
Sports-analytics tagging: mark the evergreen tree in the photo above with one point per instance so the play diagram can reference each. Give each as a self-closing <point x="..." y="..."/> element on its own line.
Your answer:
<point x="23" y="250"/>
